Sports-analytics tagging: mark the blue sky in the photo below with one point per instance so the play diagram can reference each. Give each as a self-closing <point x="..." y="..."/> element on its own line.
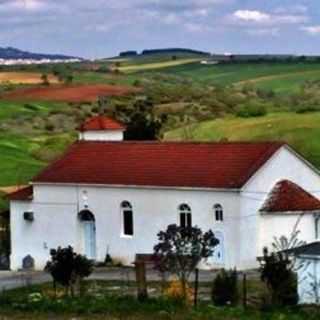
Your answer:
<point x="101" y="28"/>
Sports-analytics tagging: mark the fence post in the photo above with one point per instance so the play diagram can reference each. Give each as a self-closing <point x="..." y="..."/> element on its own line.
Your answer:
<point x="196" y="287"/>
<point x="141" y="280"/>
<point x="244" y="290"/>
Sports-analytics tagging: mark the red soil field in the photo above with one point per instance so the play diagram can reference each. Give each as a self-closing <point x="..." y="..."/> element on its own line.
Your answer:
<point x="72" y="93"/>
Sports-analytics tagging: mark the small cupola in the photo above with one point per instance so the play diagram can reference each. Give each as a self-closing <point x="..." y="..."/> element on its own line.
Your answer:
<point x="101" y="128"/>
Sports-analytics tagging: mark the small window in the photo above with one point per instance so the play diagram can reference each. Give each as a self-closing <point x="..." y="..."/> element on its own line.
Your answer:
<point x="127" y="216"/>
<point x="185" y="216"/>
<point x="218" y="210"/>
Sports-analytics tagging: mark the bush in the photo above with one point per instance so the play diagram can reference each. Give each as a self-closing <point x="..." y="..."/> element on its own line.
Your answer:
<point x="280" y="279"/>
<point x="225" y="288"/>
<point x="306" y="109"/>
<point x="251" y="110"/>
<point x="67" y="267"/>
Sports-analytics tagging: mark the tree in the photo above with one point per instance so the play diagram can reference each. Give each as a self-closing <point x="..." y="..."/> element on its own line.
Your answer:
<point x="180" y="250"/>
<point x="142" y="122"/>
<point x="276" y="272"/>
<point x="225" y="288"/>
<point x="68" y="268"/>
<point x="68" y="78"/>
<point x="45" y="79"/>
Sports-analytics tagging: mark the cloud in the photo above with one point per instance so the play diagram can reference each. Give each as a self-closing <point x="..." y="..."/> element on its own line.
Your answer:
<point x="251" y="15"/>
<point x="26" y="5"/>
<point x="265" y="18"/>
<point x="312" y="30"/>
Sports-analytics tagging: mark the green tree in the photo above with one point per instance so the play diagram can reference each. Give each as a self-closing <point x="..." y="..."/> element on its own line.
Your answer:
<point x="180" y="249"/>
<point x="68" y="268"/>
<point x="45" y="79"/>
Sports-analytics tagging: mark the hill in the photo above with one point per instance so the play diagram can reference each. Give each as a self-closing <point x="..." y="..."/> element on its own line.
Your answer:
<point x="301" y="131"/>
<point x="14" y="54"/>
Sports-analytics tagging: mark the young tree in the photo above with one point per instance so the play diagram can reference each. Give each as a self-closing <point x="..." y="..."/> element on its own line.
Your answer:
<point x="276" y="272"/>
<point x="180" y="250"/>
<point x="45" y="79"/>
<point x="68" y="268"/>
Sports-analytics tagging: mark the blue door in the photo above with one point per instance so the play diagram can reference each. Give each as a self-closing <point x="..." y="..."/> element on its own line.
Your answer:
<point x="218" y="255"/>
<point x="89" y="233"/>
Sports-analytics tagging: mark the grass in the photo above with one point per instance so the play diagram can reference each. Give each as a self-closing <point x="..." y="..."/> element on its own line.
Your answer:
<point x="157" y="65"/>
<point x="301" y="131"/>
<point x="39" y="302"/>
<point x="20" y="141"/>
<point x="281" y="77"/>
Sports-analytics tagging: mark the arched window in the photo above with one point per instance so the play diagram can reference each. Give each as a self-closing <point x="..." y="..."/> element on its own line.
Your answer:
<point x="218" y="211"/>
<point x="185" y="216"/>
<point x="127" y="218"/>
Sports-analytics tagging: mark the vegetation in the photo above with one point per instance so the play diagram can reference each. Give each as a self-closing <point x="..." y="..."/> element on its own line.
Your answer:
<point x="225" y="288"/>
<point x="39" y="302"/>
<point x="68" y="268"/>
<point x="180" y="249"/>
<point x="281" y="281"/>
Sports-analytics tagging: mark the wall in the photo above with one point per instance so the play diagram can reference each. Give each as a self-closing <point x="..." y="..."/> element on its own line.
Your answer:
<point x="256" y="230"/>
<point x="308" y="276"/>
<point x="56" y="221"/>
<point x="106" y="135"/>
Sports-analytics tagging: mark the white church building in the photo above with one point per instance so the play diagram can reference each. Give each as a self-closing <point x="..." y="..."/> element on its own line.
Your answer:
<point x="109" y="196"/>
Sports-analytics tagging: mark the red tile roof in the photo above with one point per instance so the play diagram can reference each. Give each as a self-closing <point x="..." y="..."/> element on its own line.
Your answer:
<point x="25" y="193"/>
<point x="287" y="196"/>
<point x="99" y="123"/>
<point x="163" y="164"/>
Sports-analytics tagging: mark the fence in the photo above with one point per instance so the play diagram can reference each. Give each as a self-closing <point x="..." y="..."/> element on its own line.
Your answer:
<point x="143" y="280"/>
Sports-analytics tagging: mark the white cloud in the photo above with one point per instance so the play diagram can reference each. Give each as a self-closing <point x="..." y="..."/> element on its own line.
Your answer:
<point x="313" y="30"/>
<point x="265" y="18"/>
<point x="251" y="15"/>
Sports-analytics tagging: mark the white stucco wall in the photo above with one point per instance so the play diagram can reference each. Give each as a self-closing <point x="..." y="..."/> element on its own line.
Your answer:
<point x="256" y="230"/>
<point x="106" y="135"/>
<point x="309" y="280"/>
<point x="56" y="223"/>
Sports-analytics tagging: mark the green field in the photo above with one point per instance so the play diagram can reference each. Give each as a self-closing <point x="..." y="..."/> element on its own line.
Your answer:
<point x="156" y="65"/>
<point x="282" y="78"/>
<point x="301" y="131"/>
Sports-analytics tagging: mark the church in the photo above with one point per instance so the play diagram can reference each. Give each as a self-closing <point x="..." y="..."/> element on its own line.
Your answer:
<point x="110" y="196"/>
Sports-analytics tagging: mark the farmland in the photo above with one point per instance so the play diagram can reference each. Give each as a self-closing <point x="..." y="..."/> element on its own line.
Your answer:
<point x="78" y="93"/>
<point x="283" y="78"/>
<point x="24" y="77"/>
<point x="235" y="101"/>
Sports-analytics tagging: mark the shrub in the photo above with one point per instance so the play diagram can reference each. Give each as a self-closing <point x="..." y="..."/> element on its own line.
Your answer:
<point x="281" y="281"/>
<point x="68" y="268"/>
<point x="225" y="288"/>
<point x="175" y="292"/>
<point x="251" y="110"/>
<point x="306" y="109"/>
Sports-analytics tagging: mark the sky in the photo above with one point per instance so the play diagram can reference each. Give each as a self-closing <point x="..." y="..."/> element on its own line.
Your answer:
<point x="103" y="28"/>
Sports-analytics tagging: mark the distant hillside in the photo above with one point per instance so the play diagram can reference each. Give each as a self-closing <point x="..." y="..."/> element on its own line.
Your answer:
<point x="13" y="53"/>
<point x="166" y="51"/>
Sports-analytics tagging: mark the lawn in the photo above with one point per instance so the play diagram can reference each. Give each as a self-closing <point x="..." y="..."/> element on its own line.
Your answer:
<point x="301" y="131"/>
